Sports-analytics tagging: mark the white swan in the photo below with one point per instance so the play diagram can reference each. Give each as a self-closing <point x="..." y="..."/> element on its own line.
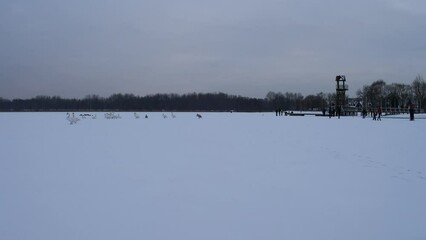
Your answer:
<point x="72" y="119"/>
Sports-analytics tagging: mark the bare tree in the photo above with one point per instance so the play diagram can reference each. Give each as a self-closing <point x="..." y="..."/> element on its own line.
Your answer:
<point x="419" y="90"/>
<point x="365" y="95"/>
<point x="397" y="95"/>
<point x="377" y="92"/>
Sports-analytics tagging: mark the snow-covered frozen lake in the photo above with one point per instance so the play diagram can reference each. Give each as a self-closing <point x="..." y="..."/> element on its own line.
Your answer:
<point x="226" y="176"/>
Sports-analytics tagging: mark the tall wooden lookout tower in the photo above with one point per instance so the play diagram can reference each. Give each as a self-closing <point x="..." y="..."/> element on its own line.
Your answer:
<point x="341" y="88"/>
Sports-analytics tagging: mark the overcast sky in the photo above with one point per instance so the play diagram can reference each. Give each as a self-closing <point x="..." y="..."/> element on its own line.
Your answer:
<point x="245" y="47"/>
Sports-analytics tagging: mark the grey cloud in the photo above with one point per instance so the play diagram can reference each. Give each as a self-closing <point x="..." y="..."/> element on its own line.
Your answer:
<point x="74" y="48"/>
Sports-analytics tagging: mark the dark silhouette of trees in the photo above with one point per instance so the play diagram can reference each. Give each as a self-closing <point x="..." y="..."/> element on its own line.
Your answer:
<point x="373" y="94"/>
<point x="419" y="90"/>
<point x="130" y="102"/>
<point x="377" y="94"/>
<point x="315" y="102"/>
<point x="395" y="95"/>
<point x="286" y="101"/>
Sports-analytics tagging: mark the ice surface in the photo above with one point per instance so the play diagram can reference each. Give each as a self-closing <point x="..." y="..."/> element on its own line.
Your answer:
<point x="225" y="176"/>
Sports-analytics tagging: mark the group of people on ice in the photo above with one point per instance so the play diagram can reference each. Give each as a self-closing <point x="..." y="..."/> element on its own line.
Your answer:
<point x="376" y="113"/>
<point x="332" y="111"/>
<point x="279" y="112"/>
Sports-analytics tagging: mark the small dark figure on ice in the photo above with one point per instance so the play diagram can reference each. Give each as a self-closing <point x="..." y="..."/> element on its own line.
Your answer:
<point x="364" y="113"/>
<point x="330" y="112"/>
<point x="411" y="112"/>
<point x="379" y="114"/>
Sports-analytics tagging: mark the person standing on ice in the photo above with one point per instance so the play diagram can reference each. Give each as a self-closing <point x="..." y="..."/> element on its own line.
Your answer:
<point x="379" y="114"/>
<point x="412" y="112"/>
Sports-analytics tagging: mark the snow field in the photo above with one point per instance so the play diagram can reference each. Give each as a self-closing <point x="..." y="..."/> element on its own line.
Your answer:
<point x="225" y="176"/>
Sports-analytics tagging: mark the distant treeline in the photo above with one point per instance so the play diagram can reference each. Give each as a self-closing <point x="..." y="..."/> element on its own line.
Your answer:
<point x="378" y="94"/>
<point x="167" y="102"/>
<point x="394" y="95"/>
